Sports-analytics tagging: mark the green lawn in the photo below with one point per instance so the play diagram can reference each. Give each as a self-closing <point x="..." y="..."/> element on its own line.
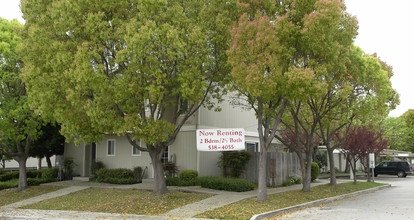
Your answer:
<point x="247" y="208"/>
<point x="125" y="201"/>
<point x="8" y="196"/>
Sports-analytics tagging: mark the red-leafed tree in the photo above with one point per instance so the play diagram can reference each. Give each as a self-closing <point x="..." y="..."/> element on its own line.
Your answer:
<point x="359" y="142"/>
<point x="298" y="141"/>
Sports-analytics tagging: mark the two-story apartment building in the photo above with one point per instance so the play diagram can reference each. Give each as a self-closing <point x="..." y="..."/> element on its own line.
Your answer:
<point x="116" y="152"/>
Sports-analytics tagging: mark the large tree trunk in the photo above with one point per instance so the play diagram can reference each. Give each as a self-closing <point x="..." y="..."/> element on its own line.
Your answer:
<point x="22" y="173"/>
<point x="332" y="171"/>
<point x="49" y="163"/>
<point x="262" y="186"/>
<point x="160" y="187"/>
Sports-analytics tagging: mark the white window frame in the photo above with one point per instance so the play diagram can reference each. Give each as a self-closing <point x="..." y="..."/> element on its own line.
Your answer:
<point x="137" y="155"/>
<point x="107" y="147"/>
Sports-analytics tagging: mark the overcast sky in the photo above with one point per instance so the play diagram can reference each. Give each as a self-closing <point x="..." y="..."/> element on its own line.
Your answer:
<point x="384" y="28"/>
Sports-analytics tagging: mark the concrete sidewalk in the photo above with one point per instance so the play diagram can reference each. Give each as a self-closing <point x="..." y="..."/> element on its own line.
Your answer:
<point x="220" y="198"/>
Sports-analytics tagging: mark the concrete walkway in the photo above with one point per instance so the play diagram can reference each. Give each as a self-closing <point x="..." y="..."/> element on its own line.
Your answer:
<point x="220" y="198"/>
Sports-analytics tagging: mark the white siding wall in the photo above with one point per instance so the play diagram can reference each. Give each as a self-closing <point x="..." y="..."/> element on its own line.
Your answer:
<point x="123" y="157"/>
<point x="78" y="155"/>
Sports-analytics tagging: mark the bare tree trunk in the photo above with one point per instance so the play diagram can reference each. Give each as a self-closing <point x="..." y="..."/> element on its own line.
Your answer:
<point x="262" y="186"/>
<point x="22" y="173"/>
<point x="49" y="163"/>
<point x="332" y="171"/>
<point x="307" y="173"/>
<point x="347" y="163"/>
<point x="160" y="187"/>
<point x="354" y="171"/>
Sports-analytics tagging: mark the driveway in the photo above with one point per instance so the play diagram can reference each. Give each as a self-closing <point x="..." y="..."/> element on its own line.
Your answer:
<point x="395" y="202"/>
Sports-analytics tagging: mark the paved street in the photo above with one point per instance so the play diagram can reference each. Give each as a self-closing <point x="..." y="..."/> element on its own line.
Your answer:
<point x="395" y="202"/>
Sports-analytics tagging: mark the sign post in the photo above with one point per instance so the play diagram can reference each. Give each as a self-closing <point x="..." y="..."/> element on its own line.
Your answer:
<point x="372" y="164"/>
<point x="220" y="139"/>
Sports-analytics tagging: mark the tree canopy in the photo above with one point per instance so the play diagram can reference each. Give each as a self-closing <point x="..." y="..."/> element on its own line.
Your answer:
<point x="19" y="125"/>
<point x="125" y="67"/>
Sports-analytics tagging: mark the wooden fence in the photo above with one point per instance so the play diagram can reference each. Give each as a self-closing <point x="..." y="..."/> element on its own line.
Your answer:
<point x="279" y="167"/>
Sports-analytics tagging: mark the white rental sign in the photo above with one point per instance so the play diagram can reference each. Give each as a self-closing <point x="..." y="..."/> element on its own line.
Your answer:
<point x="220" y="139"/>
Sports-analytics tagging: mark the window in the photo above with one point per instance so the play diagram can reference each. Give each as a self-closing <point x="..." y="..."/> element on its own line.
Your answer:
<point x="111" y="147"/>
<point x="164" y="157"/>
<point x="252" y="146"/>
<point x="135" y="151"/>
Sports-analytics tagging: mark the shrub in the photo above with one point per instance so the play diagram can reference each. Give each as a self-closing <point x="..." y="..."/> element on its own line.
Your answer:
<point x="1" y="171"/>
<point x="314" y="171"/>
<point x="227" y="184"/>
<point x="188" y="175"/>
<point x="171" y="169"/>
<point x="68" y="165"/>
<point x="322" y="160"/>
<point x="96" y="166"/>
<point x="235" y="161"/>
<point x="137" y="171"/>
<point x="51" y="173"/>
<point x="9" y="175"/>
<point x="292" y="180"/>
<point x="117" y="176"/>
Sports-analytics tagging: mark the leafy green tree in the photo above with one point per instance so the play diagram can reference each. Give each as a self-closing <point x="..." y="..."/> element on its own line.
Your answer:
<point x="408" y="118"/>
<point x="126" y="67"/>
<point x="396" y="132"/>
<point x="18" y="123"/>
<point x="361" y="92"/>
<point x="50" y="143"/>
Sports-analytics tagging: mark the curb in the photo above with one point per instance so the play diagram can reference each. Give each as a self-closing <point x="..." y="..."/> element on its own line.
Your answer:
<point x="316" y="202"/>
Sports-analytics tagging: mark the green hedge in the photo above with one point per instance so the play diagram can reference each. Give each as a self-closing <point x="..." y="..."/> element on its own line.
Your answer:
<point x="227" y="184"/>
<point x="188" y="175"/>
<point x="116" y="176"/>
<point x="6" y="176"/>
<point x="13" y="183"/>
<point x="51" y="173"/>
<point x="213" y="182"/>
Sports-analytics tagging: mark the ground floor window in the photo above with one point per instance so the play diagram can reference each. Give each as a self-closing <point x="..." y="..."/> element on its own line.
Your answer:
<point x="164" y="157"/>
<point x="135" y="151"/>
<point x="111" y="147"/>
<point x="252" y="146"/>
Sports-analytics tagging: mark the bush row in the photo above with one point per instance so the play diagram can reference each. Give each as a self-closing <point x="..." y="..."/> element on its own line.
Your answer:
<point x="190" y="178"/>
<point x="13" y="183"/>
<point x="119" y="175"/>
<point x="51" y="173"/>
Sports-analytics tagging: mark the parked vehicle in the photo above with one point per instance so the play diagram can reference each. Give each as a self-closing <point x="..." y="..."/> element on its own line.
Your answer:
<point x="399" y="168"/>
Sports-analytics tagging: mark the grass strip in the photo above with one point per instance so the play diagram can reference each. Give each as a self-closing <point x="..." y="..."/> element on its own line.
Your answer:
<point x="247" y="208"/>
<point x="124" y="201"/>
<point x="9" y="196"/>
